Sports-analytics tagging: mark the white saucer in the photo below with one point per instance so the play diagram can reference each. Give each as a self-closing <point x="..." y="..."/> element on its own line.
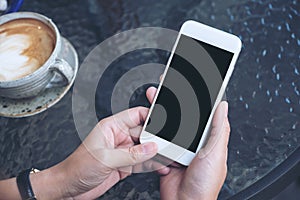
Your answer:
<point x="28" y="107"/>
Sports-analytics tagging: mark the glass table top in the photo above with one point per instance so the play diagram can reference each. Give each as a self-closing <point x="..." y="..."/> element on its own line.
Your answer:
<point x="263" y="93"/>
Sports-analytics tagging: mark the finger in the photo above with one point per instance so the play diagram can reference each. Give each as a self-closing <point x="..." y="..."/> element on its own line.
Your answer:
<point x="212" y="159"/>
<point x="176" y="165"/>
<point x="165" y="161"/>
<point x="226" y="134"/>
<point x="160" y="164"/>
<point x="117" y="158"/>
<point x="219" y="150"/>
<point x="218" y="128"/>
<point x="124" y="172"/>
<point x="164" y="171"/>
<point x="220" y="114"/>
<point x="150" y="166"/>
<point x="150" y="93"/>
<point x="127" y="119"/>
<point x="135" y="133"/>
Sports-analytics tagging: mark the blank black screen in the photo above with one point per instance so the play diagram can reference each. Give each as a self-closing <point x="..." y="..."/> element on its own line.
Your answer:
<point x="189" y="91"/>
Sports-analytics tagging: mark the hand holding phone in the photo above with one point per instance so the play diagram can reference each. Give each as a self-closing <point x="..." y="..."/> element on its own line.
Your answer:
<point x="187" y="182"/>
<point x="192" y="86"/>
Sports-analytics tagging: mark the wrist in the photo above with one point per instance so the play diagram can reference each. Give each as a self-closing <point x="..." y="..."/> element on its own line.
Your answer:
<point x="49" y="184"/>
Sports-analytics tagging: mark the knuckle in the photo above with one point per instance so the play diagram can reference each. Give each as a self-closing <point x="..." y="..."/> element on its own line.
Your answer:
<point x="102" y="123"/>
<point x="101" y="126"/>
<point x="134" y="155"/>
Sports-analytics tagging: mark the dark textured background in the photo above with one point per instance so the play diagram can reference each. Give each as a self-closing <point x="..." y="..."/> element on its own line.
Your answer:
<point x="263" y="93"/>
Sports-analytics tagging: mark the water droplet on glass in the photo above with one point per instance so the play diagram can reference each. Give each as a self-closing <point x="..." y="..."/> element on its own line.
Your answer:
<point x="278" y="77"/>
<point x="274" y="69"/>
<point x="264" y="52"/>
<point x="266" y="130"/>
<point x="228" y="11"/>
<point x="293" y="35"/>
<point x="279" y="28"/>
<point x="270" y="6"/>
<point x="246" y="106"/>
<point x="287" y="27"/>
<point x="281" y="48"/>
<point x="297" y="91"/>
<point x="293" y="83"/>
<point x="257" y="76"/>
<point x="296" y="71"/>
<point x="287" y="100"/>
<point x="242" y="138"/>
<point x="291" y="109"/>
<point x="241" y="98"/>
<point x="279" y="55"/>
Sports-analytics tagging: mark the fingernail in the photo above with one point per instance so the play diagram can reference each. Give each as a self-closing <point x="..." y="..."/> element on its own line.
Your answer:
<point x="152" y="87"/>
<point x="149" y="147"/>
<point x="225" y="107"/>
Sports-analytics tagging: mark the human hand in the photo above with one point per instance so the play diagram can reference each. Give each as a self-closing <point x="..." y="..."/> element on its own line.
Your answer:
<point x="204" y="177"/>
<point x="107" y="155"/>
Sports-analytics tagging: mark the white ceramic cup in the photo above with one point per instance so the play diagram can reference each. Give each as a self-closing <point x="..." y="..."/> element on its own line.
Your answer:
<point x="55" y="72"/>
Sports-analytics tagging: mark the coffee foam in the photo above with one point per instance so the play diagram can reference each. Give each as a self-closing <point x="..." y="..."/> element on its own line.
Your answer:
<point x="25" y="45"/>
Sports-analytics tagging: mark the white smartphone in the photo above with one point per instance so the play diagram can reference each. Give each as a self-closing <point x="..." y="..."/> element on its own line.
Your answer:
<point x="193" y="83"/>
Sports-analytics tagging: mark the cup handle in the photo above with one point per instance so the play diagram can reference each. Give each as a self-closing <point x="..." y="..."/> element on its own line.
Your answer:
<point x="63" y="70"/>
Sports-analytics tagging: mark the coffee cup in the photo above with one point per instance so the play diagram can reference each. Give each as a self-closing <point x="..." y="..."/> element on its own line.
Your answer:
<point x="30" y="48"/>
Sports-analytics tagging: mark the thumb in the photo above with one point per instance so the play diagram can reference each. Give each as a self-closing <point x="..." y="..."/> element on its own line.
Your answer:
<point x="116" y="158"/>
<point x="219" y="127"/>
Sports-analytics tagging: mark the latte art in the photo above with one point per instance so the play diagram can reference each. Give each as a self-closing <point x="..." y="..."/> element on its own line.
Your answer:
<point x="25" y="45"/>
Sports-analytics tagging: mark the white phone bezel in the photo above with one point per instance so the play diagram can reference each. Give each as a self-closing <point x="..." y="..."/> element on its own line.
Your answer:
<point x="210" y="36"/>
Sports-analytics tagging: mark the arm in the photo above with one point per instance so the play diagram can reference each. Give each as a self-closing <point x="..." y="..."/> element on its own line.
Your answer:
<point x="108" y="155"/>
<point x="9" y="189"/>
<point x="46" y="184"/>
